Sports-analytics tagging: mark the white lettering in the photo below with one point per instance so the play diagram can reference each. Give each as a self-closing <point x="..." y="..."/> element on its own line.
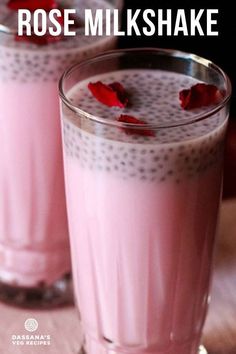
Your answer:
<point x="108" y="22"/>
<point x="187" y="22"/>
<point x="40" y="22"/>
<point x="150" y="24"/>
<point x="24" y="17"/>
<point x="211" y="22"/>
<point x="56" y="30"/>
<point x="195" y="22"/>
<point x="181" y="23"/>
<point x="131" y="22"/>
<point x="93" y="26"/>
<point x="162" y="22"/>
<point x="117" y="32"/>
<point x="69" y="22"/>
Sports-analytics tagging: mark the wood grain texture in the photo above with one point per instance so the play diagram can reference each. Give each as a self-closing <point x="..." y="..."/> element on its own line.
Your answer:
<point x="63" y="324"/>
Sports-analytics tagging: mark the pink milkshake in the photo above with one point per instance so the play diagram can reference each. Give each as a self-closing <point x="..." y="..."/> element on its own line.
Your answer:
<point x="142" y="209"/>
<point x="34" y="246"/>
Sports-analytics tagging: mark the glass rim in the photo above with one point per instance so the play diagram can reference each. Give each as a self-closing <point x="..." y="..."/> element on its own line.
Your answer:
<point x="161" y="51"/>
<point x="54" y="50"/>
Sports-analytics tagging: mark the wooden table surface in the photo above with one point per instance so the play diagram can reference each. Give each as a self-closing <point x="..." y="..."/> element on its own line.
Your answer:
<point x="63" y="326"/>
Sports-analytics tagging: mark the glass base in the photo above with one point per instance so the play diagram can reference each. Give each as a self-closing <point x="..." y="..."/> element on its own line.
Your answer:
<point x="201" y="350"/>
<point x="43" y="297"/>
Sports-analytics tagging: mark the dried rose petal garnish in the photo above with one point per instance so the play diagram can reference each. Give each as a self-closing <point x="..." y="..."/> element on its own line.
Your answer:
<point x="32" y="5"/>
<point x="112" y="95"/>
<point x="42" y="40"/>
<point x="124" y="118"/>
<point x="199" y="95"/>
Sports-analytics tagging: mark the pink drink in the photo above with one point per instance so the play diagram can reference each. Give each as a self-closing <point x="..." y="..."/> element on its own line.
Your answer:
<point x="34" y="247"/>
<point x="142" y="216"/>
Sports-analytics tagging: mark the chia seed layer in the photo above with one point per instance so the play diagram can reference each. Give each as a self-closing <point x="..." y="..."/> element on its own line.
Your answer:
<point x="173" y="153"/>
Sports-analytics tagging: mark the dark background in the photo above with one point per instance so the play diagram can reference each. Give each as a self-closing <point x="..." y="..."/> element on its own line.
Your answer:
<point x="219" y="49"/>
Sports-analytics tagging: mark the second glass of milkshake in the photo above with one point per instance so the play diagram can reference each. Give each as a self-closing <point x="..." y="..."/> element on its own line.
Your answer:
<point x="34" y="245"/>
<point x="143" y="187"/>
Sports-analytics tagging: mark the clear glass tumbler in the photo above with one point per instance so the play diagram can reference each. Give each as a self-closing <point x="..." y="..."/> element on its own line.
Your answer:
<point x="34" y="244"/>
<point x="142" y="199"/>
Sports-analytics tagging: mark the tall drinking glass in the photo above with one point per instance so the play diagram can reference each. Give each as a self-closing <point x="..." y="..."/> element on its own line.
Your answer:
<point x="143" y="199"/>
<point x="34" y="243"/>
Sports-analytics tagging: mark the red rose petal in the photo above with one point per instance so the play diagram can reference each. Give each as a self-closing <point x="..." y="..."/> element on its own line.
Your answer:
<point x="199" y="95"/>
<point x="120" y="90"/>
<point x="130" y="119"/>
<point x="112" y="95"/>
<point x="32" y="5"/>
<point x="42" y="40"/>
